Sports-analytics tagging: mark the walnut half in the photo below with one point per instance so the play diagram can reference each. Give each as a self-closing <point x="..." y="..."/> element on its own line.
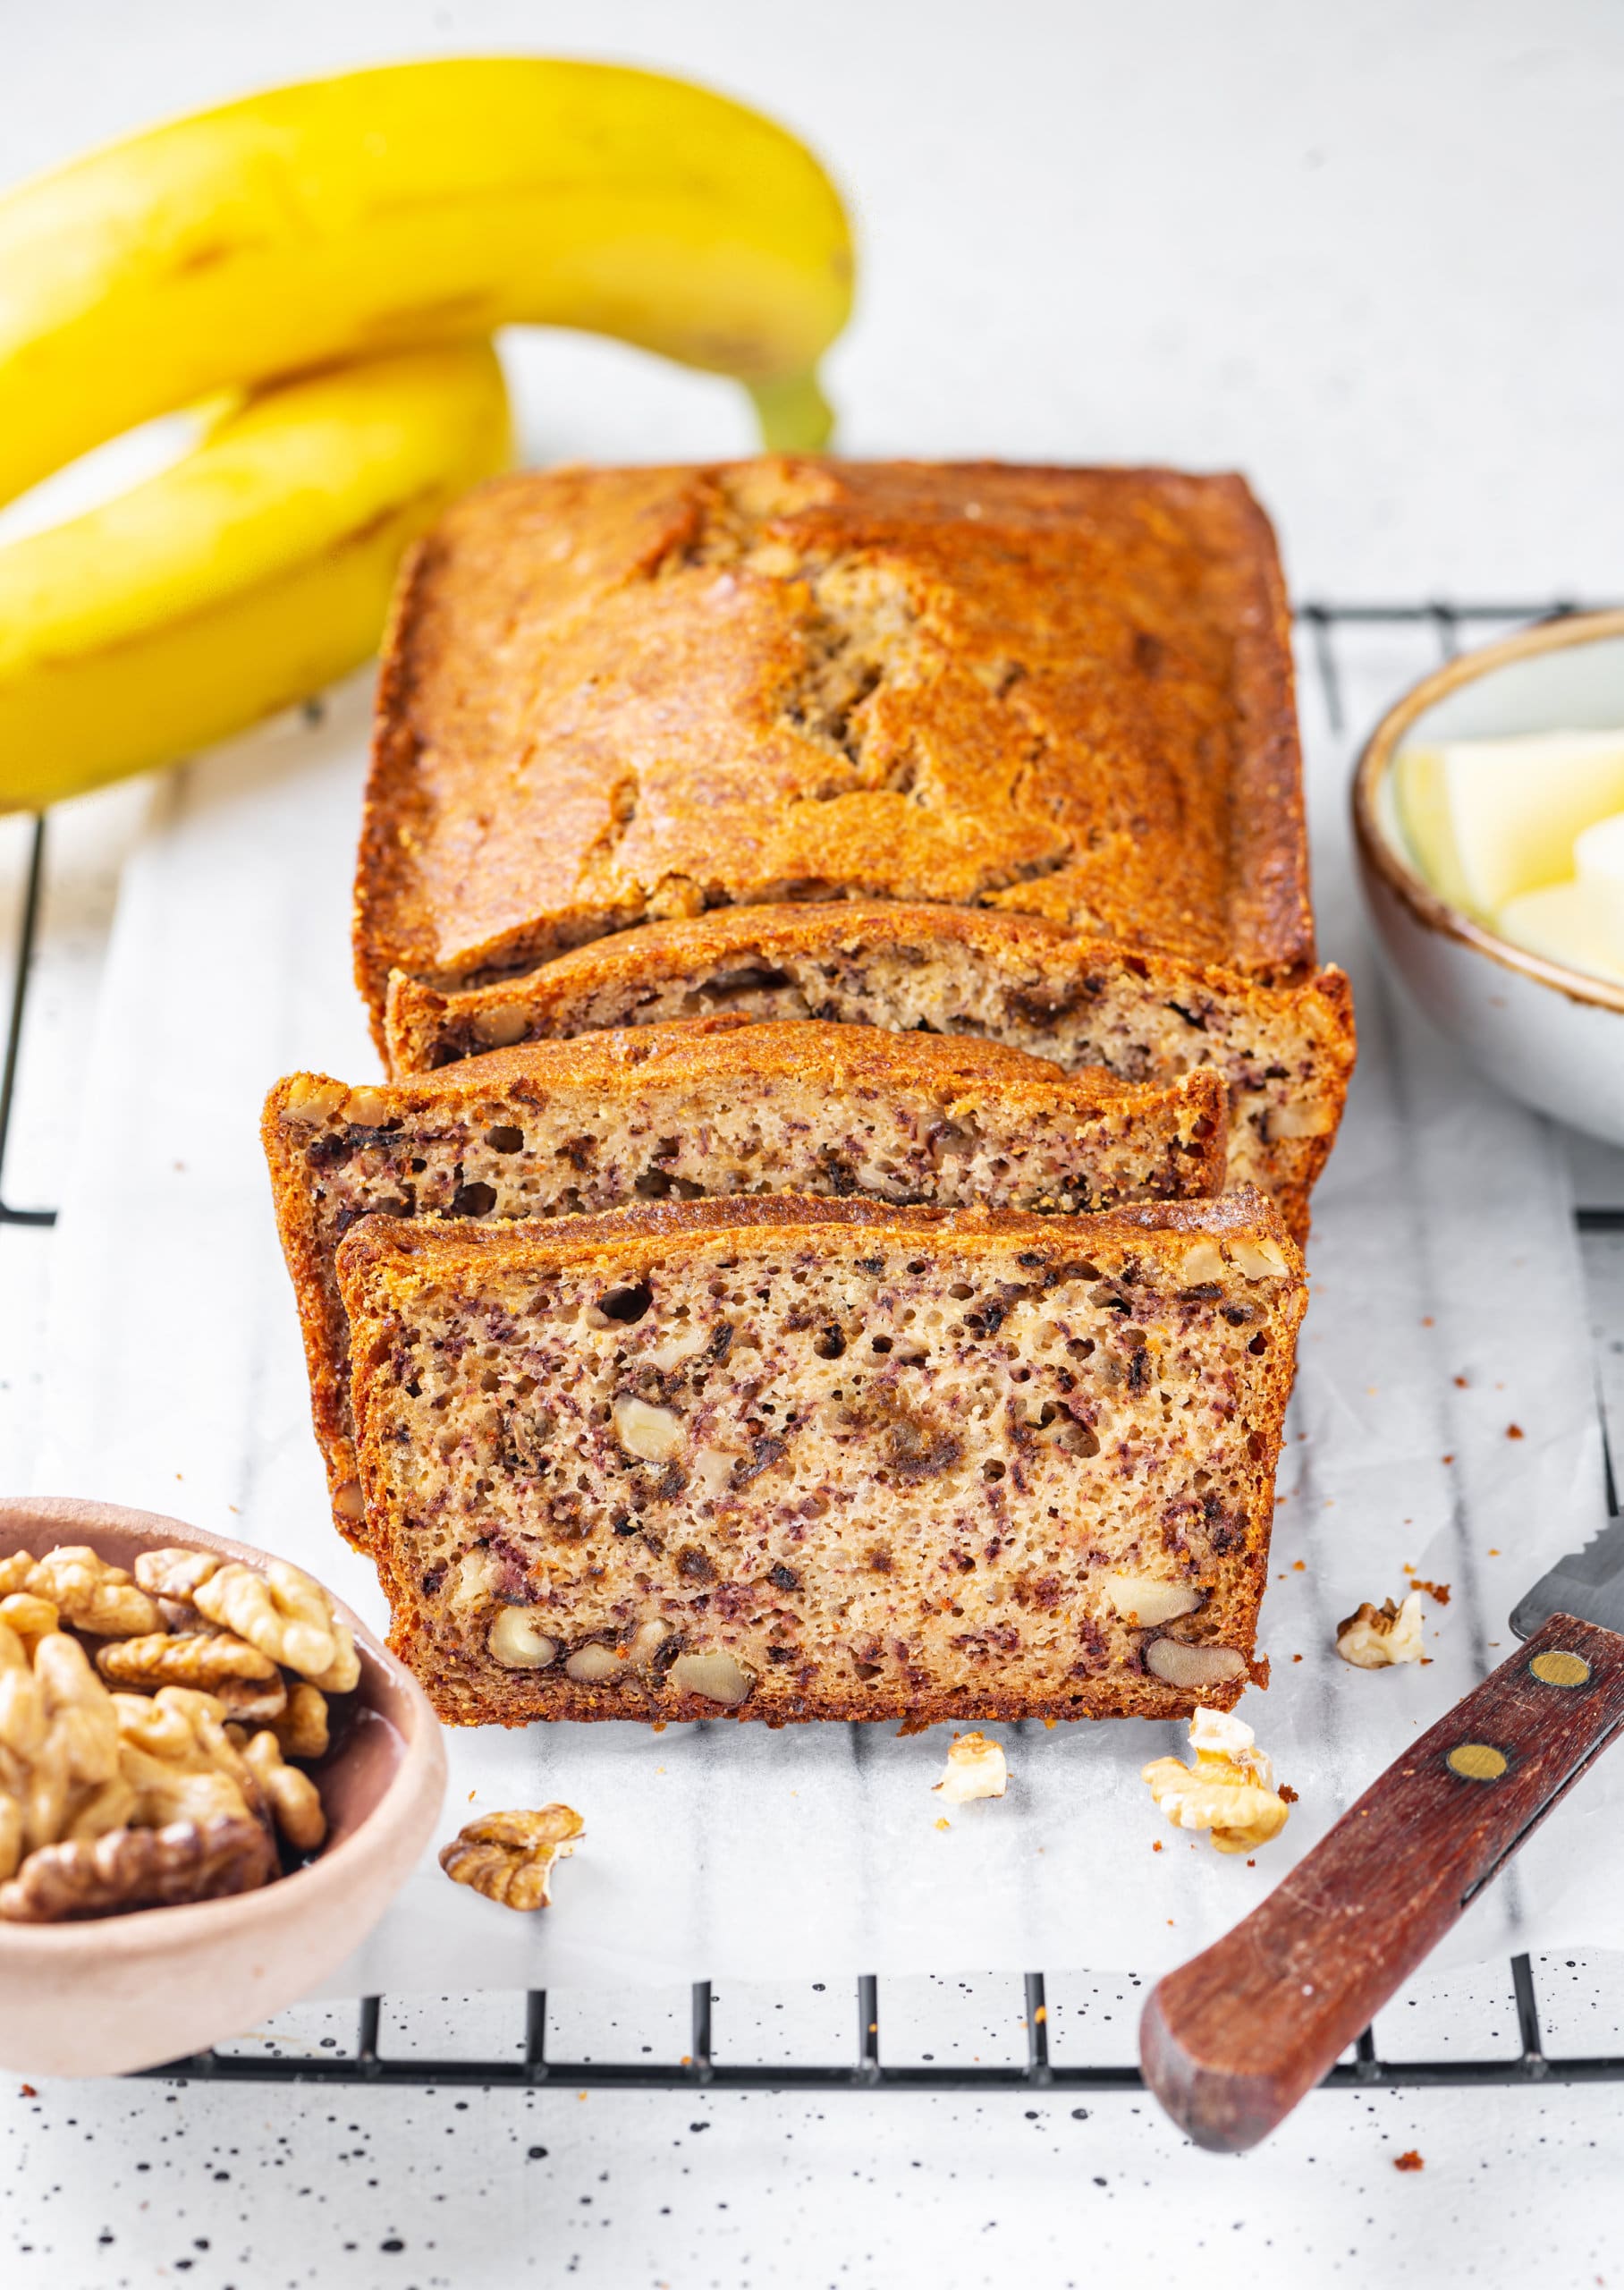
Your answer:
<point x="508" y="1856"/>
<point x="140" y="1868"/>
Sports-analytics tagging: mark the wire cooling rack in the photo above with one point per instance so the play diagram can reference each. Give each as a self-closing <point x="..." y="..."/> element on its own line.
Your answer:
<point x="863" y="2070"/>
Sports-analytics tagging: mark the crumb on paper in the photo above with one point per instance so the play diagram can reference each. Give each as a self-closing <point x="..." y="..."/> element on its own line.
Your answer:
<point x="1287" y="1794"/>
<point x="1515" y="1432"/>
<point x="976" y="1767"/>
<point x="1409" y="2162"/>
<point x="942" y="1821"/>
<point x="1229" y="1790"/>
<point x="1374" y="1637"/>
<point x="1438" y="1592"/>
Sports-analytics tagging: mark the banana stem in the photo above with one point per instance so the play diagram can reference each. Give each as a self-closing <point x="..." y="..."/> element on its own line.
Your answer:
<point x="794" y="414"/>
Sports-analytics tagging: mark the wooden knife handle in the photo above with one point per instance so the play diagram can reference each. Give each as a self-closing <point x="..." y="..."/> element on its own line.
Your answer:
<point x="1232" y="2039"/>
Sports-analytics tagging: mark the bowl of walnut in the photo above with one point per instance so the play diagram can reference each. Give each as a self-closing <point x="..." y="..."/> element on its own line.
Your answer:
<point x="213" y="1781"/>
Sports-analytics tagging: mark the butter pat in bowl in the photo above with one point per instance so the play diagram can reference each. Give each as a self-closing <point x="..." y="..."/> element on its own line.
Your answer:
<point x="1489" y="812"/>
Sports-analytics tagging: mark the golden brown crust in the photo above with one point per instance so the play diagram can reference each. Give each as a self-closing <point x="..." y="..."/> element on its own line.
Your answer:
<point x="707" y="1060"/>
<point x="1010" y="977"/>
<point x="611" y="697"/>
<point x="385" y="1268"/>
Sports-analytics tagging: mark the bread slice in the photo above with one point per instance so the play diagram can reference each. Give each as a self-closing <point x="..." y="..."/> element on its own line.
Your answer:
<point x="1285" y="1053"/>
<point x="711" y="1107"/>
<point x="795" y="1459"/>
<point x="618" y="695"/>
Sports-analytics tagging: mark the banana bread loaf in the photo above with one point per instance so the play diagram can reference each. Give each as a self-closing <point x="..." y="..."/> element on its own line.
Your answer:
<point x="1285" y="1053"/>
<point x="711" y="1107"/>
<point x="796" y="1459"/>
<point x="615" y="697"/>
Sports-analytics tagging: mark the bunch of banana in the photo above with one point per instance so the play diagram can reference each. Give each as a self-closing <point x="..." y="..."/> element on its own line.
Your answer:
<point x="337" y="254"/>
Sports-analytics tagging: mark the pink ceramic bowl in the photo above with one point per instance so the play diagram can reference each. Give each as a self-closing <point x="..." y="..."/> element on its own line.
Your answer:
<point x="119" y="1992"/>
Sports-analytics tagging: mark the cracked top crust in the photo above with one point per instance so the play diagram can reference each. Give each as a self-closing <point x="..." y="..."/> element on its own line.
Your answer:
<point x="612" y="696"/>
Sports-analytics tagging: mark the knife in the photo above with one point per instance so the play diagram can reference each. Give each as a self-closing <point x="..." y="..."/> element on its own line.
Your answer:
<point x="1231" y="2040"/>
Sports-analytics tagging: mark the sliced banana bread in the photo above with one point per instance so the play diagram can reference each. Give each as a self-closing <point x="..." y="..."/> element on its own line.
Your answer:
<point x="1285" y="1053"/>
<point x="794" y="1459"/>
<point x="712" y="1107"/>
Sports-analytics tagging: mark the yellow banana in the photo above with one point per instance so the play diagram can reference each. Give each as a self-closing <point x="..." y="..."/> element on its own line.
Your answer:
<point x="418" y="203"/>
<point x="246" y="576"/>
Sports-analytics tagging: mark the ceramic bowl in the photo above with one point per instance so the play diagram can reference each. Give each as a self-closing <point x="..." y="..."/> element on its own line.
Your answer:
<point x="113" y="1993"/>
<point x="1552" y="1037"/>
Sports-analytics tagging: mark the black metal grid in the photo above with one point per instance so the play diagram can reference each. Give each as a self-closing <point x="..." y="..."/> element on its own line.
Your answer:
<point x="698" y="2069"/>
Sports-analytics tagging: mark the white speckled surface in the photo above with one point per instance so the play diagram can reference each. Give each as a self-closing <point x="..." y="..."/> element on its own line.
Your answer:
<point x="1367" y="252"/>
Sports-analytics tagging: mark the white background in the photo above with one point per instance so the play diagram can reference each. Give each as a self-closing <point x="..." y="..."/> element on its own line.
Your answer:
<point x="1369" y="253"/>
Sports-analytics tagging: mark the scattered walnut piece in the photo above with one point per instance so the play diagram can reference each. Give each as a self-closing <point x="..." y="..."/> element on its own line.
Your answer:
<point x="91" y="1594"/>
<point x="508" y="1856"/>
<point x="140" y="1868"/>
<point x="287" y="1615"/>
<point x="1409" y="2161"/>
<point x="1229" y="1790"/>
<point x="976" y="1767"/>
<point x="1373" y="1637"/>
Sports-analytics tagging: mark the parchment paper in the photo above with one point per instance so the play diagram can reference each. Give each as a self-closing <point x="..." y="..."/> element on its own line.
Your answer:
<point x="1447" y="1307"/>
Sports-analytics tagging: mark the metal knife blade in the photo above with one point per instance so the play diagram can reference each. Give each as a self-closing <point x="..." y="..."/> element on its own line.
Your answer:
<point x="1588" y="1584"/>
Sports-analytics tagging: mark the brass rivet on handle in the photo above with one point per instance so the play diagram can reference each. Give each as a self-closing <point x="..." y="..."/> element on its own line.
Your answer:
<point x="1559" y="1668"/>
<point x="1476" y="1761"/>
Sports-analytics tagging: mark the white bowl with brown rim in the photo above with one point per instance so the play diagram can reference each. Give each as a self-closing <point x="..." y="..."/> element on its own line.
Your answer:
<point x="1552" y="1037"/>
<point x="109" y="1994"/>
